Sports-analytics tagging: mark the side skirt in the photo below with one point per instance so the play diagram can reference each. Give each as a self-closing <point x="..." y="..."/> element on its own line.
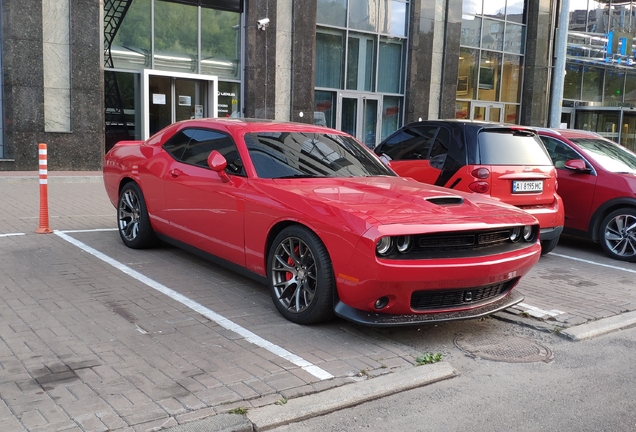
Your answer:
<point x="215" y="259"/>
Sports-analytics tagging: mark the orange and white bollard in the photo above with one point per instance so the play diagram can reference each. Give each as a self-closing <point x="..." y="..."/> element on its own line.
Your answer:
<point x="44" y="192"/>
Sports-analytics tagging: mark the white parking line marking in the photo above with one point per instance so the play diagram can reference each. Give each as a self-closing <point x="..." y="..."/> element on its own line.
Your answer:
<point x="11" y="234"/>
<point x="535" y="311"/>
<point x="219" y="319"/>
<point x="593" y="262"/>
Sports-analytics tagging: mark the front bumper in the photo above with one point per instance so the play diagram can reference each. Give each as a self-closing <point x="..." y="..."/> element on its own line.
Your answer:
<point x="550" y="233"/>
<point x="386" y="320"/>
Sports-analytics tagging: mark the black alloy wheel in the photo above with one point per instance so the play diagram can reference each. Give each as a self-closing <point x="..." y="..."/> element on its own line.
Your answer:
<point x="133" y="221"/>
<point x="300" y="276"/>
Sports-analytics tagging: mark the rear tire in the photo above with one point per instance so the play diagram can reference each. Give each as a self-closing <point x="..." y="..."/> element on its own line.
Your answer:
<point x="548" y="246"/>
<point x="618" y="234"/>
<point x="133" y="221"/>
<point x="300" y="276"/>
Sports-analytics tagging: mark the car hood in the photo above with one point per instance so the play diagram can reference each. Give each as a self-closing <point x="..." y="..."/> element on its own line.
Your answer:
<point x="398" y="200"/>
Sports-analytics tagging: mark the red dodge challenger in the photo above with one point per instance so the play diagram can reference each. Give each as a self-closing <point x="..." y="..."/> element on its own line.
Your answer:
<point x="316" y="216"/>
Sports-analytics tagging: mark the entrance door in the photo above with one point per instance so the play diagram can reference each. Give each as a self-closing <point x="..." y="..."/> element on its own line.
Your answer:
<point x="487" y="111"/>
<point x="172" y="97"/>
<point x="359" y="116"/>
<point x="567" y="118"/>
<point x="628" y="131"/>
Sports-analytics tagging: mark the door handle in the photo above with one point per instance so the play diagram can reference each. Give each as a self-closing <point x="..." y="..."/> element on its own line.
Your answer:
<point x="175" y="173"/>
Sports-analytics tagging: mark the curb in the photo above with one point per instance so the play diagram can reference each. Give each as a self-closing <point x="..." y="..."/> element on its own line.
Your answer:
<point x="328" y="401"/>
<point x="338" y="398"/>
<point x="600" y="327"/>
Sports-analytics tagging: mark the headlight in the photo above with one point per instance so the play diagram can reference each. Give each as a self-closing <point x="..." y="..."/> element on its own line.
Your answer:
<point x="528" y="233"/>
<point x="515" y="234"/>
<point x="403" y="244"/>
<point x="383" y="247"/>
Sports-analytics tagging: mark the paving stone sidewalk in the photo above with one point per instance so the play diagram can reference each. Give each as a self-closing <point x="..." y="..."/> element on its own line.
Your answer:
<point x="85" y="347"/>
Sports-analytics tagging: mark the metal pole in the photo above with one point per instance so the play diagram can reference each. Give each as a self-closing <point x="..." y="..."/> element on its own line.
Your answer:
<point x="558" y="76"/>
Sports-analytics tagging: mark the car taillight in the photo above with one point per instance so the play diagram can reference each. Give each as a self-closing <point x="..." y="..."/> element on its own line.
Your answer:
<point x="481" y="173"/>
<point x="479" y="187"/>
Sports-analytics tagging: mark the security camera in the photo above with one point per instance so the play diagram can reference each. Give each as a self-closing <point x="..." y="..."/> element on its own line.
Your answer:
<point x="263" y="23"/>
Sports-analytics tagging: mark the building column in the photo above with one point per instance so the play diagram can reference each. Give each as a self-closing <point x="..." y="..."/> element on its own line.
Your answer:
<point x="433" y="47"/>
<point x="279" y="60"/>
<point x="537" y="63"/>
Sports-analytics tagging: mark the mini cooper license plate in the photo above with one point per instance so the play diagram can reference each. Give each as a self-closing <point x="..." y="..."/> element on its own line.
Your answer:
<point x="527" y="186"/>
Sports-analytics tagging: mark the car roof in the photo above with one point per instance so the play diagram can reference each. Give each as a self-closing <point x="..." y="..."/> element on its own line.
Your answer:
<point x="254" y="124"/>
<point x="474" y="125"/>
<point x="567" y="133"/>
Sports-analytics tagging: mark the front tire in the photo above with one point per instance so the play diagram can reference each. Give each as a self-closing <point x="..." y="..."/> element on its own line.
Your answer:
<point x="133" y="221"/>
<point x="548" y="246"/>
<point x="618" y="234"/>
<point x="300" y="276"/>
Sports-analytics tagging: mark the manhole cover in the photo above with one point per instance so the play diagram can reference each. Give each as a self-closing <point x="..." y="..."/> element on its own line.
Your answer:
<point x="505" y="348"/>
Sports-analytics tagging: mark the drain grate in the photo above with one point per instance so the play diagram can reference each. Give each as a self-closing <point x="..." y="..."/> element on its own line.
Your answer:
<point x="505" y="348"/>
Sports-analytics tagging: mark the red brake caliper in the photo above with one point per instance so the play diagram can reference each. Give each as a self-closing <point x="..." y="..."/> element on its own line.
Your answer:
<point x="291" y="263"/>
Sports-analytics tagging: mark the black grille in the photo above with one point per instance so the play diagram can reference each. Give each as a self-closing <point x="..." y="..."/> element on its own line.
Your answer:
<point x="448" y="299"/>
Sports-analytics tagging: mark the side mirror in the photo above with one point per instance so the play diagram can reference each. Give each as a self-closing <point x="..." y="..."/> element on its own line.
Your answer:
<point x="217" y="163"/>
<point x="576" y="165"/>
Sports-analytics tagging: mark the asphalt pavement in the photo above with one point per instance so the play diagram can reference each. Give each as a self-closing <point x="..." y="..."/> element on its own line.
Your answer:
<point x="97" y="337"/>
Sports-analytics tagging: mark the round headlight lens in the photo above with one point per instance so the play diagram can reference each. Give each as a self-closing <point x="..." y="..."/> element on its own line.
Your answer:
<point x="528" y="233"/>
<point x="384" y="245"/>
<point x="403" y="244"/>
<point x="515" y="234"/>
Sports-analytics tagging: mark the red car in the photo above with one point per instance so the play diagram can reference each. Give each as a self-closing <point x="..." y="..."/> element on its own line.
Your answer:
<point x="504" y="162"/>
<point x="316" y="216"/>
<point x="597" y="181"/>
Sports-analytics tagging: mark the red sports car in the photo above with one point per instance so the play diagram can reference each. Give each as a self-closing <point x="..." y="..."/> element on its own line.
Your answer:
<point x="316" y="216"/>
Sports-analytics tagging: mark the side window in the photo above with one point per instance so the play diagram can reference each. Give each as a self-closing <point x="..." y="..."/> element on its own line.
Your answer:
<point x="439" y="149"/>
<point x="410" y="144"/>
<point x="176" y="145"/>
<point x="559" y="152"/>
<point x="204" y="141"/>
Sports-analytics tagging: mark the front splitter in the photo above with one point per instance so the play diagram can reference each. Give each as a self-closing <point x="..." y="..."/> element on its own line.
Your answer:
<point x="385" y="320"/>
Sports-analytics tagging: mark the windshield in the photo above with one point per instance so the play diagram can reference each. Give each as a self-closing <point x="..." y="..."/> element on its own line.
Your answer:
<point x="303" y="154"/>
<point x="608" y="154"/>
<point x="510" y="147"/>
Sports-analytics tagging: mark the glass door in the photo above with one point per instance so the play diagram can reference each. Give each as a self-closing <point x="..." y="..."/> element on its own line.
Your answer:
<point x="628" y="132"/>
<point x="190" y="99"/>
<point x="487" y="111"/>
<point x="359" y="116"/>
<point x="172" y="97"/>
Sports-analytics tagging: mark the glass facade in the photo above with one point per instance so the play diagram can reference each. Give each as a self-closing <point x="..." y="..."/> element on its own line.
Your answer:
<point x="167" y="36"/>
<point x="600" y="80"/>
<point x="360" y="66"/>
<point x="492" y="45"/>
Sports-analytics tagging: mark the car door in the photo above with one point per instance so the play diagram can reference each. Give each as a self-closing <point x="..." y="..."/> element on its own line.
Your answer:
<point x="409" y="152"/>
<point x="205" y="211"/>
<point x="576" y="188"/>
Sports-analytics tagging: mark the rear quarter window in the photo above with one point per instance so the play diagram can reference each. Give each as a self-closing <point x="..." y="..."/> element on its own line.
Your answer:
<point x="511" y="148"/>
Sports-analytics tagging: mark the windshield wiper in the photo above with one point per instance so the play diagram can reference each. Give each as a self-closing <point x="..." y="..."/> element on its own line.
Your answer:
<point x="299" y="176"/>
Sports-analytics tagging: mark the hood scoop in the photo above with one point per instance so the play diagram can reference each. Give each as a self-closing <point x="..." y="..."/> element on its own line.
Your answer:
<point x="446" y="200"/>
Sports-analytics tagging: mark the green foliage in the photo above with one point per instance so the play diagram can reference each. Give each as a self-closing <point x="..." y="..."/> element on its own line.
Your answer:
<point x="281" y="401"/>
<point x="428" y="358"/>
